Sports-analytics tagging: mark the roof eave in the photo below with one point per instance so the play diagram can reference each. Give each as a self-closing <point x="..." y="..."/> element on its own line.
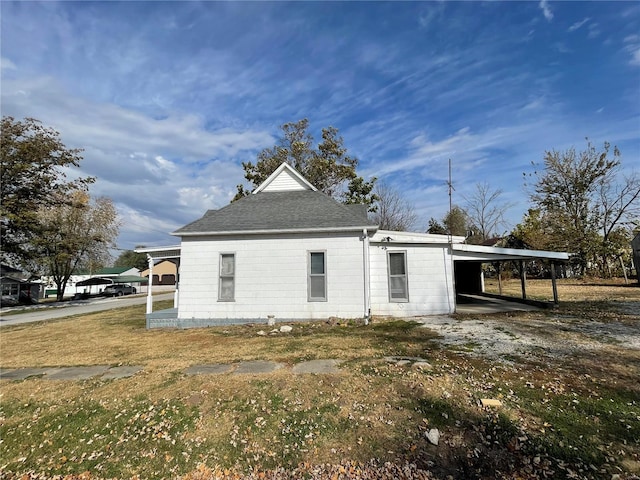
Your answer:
<point x="156" y="249"/>
<point x="477" y="252"/>
<point x="371" y="229"/>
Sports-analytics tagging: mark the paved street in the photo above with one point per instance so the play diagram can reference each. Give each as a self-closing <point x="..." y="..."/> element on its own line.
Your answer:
<point x="80" y="307"/>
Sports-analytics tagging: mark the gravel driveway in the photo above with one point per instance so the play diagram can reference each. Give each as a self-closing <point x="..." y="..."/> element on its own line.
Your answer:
<point x="532" y="335"/>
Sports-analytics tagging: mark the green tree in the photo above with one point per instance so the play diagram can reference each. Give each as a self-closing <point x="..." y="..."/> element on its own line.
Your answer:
<point x="456" y="222"/>
<point x="129" y="258"/>
<point x="578" y="195"/>
<point x="393" y="212"/>
<point x="436" y="227"/>
<point x="328" y="166"/>
<point x="75" y="231"/>
<point x="33" y="160"/>
<point x="532" y="232"/>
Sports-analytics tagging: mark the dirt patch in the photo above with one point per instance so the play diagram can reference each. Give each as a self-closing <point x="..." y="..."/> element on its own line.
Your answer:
<point x="549" y="335"/>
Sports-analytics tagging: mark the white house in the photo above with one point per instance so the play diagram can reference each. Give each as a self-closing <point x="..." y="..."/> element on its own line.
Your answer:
<point x="290" y="252"/>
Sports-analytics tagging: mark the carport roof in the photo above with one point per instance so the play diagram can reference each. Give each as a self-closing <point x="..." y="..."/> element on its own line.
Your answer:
<point x="159" y="253"/>
<point x="112" y="280"/>
<point x="479" y="253"/>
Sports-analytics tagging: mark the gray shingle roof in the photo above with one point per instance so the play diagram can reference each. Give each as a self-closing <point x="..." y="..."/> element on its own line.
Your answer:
<point x="265" y="211"/>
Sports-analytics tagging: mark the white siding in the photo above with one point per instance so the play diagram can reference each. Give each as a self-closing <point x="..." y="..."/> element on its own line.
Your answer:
<point x="429" y="271"/>
<point x="271" y="277"/>
<point x="285" y="182"/>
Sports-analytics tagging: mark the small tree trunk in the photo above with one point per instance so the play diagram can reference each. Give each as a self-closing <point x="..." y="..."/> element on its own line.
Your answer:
<point x="606" y="266"/>
<point x="60" y="287"/>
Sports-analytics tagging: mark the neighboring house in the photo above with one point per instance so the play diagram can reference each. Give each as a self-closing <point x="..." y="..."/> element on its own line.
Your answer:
<point x="112" y="272"/>
<point x="635" y="246"/>
<point x="165" y="272"/>
<point x="290" y="252"/>
<point x="18" y="286"/>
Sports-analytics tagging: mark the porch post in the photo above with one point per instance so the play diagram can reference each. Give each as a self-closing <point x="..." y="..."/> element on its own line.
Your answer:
<point x="523" y="280"/>
<point x="149" y="285"/>
<point x="176" y="295"/>
<point x="553" y="283"/>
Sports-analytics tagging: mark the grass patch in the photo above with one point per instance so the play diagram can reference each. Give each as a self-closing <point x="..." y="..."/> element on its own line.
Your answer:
<point x="561" y="416"/>
<point x="85" y="435"/>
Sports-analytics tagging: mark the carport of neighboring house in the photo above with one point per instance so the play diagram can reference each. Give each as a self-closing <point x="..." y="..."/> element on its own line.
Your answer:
<point x="117" y="280"/>
<point x="468" y="260"/>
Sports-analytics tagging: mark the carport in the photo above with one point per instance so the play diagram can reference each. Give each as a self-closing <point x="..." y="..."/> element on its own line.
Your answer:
<point x="111" y="280"/>
<point x="120" y="279"/>
<point x="468" y="260"/>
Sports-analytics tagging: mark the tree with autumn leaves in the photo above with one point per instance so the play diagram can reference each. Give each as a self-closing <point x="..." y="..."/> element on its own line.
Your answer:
<point x="326" y="165"/>
<point x="49" y="224"/>
<point x="582" y="201"/>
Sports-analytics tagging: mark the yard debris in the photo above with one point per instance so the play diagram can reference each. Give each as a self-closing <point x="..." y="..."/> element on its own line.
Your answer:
<point x="490" y="402"/>
<point x="262" y="333"/>
<point x="348" y="470"/>
<point x="286" y="329"/>
<point x="422" y="365"/>
<point x="433" y="436"/>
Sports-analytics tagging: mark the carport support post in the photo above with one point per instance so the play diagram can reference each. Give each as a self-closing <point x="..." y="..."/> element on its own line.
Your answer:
<point x="149" y="284"/>
<point x="523" y="280"/>
<point x="499" y="277"/>
<point x="554" y="285"/>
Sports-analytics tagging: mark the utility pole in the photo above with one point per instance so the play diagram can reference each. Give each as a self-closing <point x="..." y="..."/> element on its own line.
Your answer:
<point x="450" y="238"/>
<point x="450" y="188"/>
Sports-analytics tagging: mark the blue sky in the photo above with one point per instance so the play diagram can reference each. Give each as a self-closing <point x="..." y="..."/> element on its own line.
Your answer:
<point x="168" y="98"/>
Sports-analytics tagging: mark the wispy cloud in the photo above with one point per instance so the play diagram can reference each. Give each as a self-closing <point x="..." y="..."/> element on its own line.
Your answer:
<point x="632" y="46"/>
<point x="168" y="99"/>
<point x="170" y="169"/>
<point x="577" y="25"/>
<point x="6" y="64"/>
<point x="431" y="14"/>
<point x="594" y="30"/>
<point x="546" y="11"/>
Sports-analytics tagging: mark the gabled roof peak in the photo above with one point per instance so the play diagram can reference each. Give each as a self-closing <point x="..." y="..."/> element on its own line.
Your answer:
<point x="285" y="178"/>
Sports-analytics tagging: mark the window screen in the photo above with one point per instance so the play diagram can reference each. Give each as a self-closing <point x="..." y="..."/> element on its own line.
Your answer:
<point x="317" y="276"/>
<point x="398" y="287"/>
<point x="227" y="277"/>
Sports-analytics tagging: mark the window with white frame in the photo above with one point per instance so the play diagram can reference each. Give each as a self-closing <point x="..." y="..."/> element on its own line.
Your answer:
<point x="317" y="277"/>
<point x="226" y="289"/>
<point x="398" y="285"/>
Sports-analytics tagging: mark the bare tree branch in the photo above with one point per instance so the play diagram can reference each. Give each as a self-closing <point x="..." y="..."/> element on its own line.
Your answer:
<point x="393" y="211"/>
<point x="485" y="211"/>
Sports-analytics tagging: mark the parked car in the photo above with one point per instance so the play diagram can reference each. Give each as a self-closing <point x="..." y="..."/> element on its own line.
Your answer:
<point x="118" y="290"/>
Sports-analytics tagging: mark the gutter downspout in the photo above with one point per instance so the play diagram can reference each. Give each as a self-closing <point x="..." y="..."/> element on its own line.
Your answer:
<point x="367" y="276"/>
<point x="149" y="285"/>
